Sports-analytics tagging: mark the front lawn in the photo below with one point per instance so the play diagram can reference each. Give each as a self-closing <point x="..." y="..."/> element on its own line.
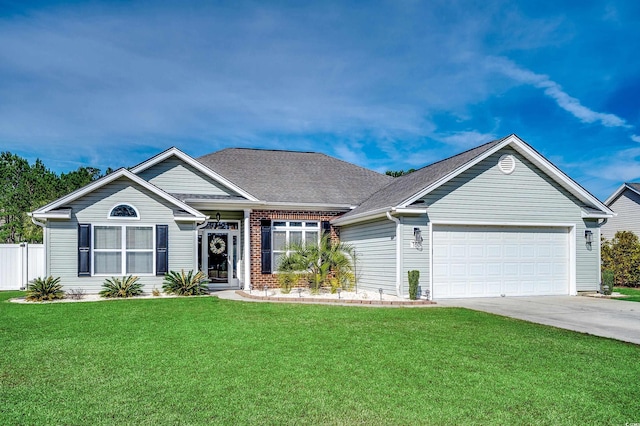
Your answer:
<point x="633" y="294"/>
<point x="203" y="360"/>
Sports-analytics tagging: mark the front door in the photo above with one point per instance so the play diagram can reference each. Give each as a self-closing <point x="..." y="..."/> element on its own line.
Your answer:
<point x="219" y="255"/>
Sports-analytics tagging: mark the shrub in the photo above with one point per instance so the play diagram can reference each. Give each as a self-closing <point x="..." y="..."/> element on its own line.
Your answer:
<point x="414" y="279"/>
<point x="155" y="292"/>
<point x="76" y="293"/>
<point x="287" y="279"/>
<point x="182" y="284"/>
<point x="47" y="288"/>
<point x="128" y="286"/>
<point x="607" y="282"/>
<point x="621" y="255"/>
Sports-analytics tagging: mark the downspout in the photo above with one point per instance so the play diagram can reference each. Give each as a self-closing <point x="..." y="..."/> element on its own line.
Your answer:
<point x="398" y="254"/>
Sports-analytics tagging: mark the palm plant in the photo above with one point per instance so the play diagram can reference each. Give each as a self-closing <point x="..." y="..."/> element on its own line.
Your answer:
<point x="47" y="288"/>
<point x="319" y="262"/>
<point x="128" y="286"/>
<point x="185" y="284"/>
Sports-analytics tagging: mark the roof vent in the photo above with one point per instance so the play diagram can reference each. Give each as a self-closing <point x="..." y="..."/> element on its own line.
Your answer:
<point x="507" y="164"/>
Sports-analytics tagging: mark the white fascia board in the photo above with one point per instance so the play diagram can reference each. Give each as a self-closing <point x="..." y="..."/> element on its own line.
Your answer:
<point x="520" y="146"/>
<point x="408" y="211"/>
<point x="180" y="218"/>
<point x="57" y="214"/>
<point x="503" y="223"/>
<point x="618" y="192"/>
<point x="195" y="164"/>
<point x="374" y="214"/>
<point x="590" y="215"/>
<point x="110" y="178"/>
<point x="306" y="206"/>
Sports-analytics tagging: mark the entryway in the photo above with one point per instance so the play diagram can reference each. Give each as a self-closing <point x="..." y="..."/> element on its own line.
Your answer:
<point x="219" y="249"/>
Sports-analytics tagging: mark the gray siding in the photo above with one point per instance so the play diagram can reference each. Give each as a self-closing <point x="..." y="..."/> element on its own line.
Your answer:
<point x="375" y="247"/>
<point x="62" y="241"/>
<point x="484" y="194"/>
<point x="414" y="257"/>
<point x="627" y="206"/>
<point x="175" y="176"/>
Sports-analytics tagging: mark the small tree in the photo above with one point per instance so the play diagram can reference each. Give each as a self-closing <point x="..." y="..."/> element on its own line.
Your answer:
<point x="621" y="255"/>
<point x="319" y="262"/>
<point x="414" y="279"/>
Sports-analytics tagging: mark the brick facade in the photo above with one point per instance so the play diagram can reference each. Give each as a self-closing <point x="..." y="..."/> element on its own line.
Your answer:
<point x="258" y="279"/>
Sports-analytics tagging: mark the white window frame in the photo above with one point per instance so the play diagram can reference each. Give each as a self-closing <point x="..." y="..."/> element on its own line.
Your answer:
<point x="287" y="228"/>
<point x="123" y="249"/>
<point x="137" y="217"/>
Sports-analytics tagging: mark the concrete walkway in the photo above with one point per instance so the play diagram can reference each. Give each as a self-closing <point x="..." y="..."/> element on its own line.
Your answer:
<point x="615" y="319"/>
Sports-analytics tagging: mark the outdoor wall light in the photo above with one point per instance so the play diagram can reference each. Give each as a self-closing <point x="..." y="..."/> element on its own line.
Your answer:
<point x="588" y="235"/>
<point x="218" y="217"/>
<point x="417" y="235"/>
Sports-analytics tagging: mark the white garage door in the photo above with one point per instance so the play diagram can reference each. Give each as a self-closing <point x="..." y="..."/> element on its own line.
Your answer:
<point x="490" y="261"/>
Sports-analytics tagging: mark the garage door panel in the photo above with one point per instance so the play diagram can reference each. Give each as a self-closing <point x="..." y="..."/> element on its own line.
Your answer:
<point x="477" y="261"/>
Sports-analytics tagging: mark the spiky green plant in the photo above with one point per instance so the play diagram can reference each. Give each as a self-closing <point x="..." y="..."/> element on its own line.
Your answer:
<point x="319" y="262"/>
<point x="128" y="286"/>
<point x="48" y="288"/>
<point x="185" y="284"/>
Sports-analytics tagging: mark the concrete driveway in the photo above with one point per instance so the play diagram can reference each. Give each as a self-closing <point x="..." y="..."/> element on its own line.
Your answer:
<point x="615" y="319"/>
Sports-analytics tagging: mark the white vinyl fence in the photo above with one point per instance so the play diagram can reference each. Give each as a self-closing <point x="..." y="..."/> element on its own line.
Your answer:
<point x="19" y="264"/>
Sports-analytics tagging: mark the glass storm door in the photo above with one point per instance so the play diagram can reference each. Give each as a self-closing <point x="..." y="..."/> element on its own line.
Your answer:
<point x="217" y="259"/>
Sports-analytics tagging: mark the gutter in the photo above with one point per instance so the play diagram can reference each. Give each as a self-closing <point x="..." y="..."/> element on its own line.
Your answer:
<point x="398" y="253"/>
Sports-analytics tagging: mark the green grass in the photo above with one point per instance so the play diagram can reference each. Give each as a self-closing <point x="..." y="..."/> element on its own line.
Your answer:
<point x="203" y="360"/>
<point x="633" y="294"/>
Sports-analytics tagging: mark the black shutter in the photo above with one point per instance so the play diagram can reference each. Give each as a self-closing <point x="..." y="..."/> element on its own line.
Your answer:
<point x="162" y="249"/>
<point x="84" y="250"/>
<point x="265" y="245"/>
<point x="326" y="228"/>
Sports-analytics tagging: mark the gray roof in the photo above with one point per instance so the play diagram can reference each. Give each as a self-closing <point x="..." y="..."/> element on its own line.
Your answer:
<point x="406" y="186"/>
<point x="634" y="185"/>
<point x="295" y="177"/>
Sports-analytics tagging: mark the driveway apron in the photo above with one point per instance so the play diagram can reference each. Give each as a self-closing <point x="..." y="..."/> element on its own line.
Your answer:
<point x="615" y="319"/>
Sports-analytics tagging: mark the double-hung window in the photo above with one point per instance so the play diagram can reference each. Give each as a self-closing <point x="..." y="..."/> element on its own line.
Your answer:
<point x="290" y="233"/>
<point x="123" y="250"/>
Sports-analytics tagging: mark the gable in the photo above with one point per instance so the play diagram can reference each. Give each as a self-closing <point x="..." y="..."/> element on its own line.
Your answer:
<point x="175" y="176"/>
<point x="96" y="205"/>
<point x="484" y="192"/>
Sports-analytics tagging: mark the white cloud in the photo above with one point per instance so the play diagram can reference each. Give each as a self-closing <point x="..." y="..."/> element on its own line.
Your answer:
<point x="555" y="92"/>
<point x="465" y="140"/>
<point x="635" y="138"/>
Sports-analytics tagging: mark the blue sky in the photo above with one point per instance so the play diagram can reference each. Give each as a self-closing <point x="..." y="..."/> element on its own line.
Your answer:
<point x="386" y="85"/>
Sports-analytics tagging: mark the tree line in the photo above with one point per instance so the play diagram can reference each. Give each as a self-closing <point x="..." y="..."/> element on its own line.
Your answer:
<point x="25" y="187"/>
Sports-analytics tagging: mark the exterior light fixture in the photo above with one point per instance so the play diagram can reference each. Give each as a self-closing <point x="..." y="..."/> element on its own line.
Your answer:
<point x="339" y="291"/>
<point x="417" y="235"/>
<point x="588" y="235"/>
<point x="218" y="217"/>
<point x="380" y="291"/>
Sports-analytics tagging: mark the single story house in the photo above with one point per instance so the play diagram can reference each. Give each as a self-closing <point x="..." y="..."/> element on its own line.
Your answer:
<point x="496" y="220"/>
<point x="625" y="201"/>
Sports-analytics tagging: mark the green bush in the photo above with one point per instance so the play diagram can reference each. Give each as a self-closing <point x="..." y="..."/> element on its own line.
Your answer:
<point x="608" y="281"/>
<point x="189" y="284"/>
<point x="621" y="255"/>
<point x="414" y="279"/>
<point x="128" y="286"/>
<point x="287" y="279"/>
<point x="47" y="288"/>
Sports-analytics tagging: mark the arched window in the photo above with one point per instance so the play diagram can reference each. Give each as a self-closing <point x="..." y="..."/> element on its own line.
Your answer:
<point x="123" y="210"/>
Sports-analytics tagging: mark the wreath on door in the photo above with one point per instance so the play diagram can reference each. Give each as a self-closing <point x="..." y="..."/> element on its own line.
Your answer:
<point x="217" y="245"/>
